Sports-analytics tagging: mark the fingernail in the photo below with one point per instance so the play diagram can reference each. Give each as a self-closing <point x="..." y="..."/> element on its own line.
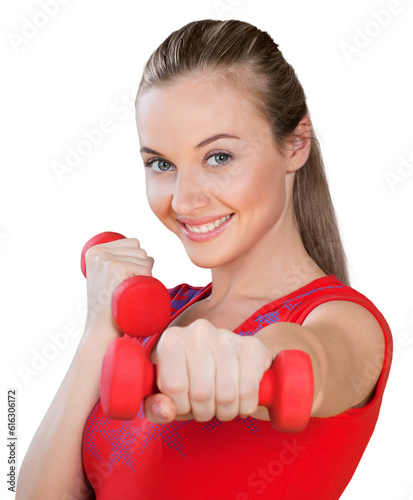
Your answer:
<point x="159" y="412"/>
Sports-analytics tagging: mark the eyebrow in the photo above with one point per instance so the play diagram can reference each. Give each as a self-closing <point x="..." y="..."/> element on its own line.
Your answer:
<point x="200" y="145"/>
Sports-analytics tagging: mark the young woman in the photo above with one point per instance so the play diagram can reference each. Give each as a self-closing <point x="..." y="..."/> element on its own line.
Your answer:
<point x="233" y="168"/>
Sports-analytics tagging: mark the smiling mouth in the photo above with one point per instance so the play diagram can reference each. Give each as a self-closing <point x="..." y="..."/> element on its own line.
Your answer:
<point x="207" y="228"/>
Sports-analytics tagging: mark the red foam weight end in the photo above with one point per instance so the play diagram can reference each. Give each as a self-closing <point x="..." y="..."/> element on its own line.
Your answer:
<point x="287" y="390"/>
<point x="100" y="238"/>
<point x="141" y="306"/>
<point x="122" y="379"/>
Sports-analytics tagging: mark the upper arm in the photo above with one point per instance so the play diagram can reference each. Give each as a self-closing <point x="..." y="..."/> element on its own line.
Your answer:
<point x="349" y="344"/>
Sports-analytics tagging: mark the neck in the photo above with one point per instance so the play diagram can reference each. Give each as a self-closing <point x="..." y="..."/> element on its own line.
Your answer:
<point x="278" y="264"/>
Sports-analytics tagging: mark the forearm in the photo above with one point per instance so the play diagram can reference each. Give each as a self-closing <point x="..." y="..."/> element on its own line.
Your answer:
<point x="346" y="346"/>
<point x="52" y="468"/>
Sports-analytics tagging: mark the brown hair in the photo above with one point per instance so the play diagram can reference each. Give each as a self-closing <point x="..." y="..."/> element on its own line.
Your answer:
<point x="231" y="46"/>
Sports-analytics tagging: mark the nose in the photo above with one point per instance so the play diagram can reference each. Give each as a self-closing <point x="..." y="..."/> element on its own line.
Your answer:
<point x="190" y="192"/>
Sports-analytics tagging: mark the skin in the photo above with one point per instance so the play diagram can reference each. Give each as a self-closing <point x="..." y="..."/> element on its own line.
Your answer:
<point x="52" y="467"/>
<point x="203" y="369"/>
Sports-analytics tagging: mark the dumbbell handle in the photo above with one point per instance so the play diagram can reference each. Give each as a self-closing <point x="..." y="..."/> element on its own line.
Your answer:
<point x="286" y="389"/>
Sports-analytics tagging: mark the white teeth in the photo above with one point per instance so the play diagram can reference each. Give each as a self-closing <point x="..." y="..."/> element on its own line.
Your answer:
<point x="206" y="228"/>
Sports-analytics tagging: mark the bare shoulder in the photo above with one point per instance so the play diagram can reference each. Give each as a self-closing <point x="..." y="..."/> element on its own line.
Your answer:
<point x="348" y="319"/>
<point x="354" y="342"/>
<point x="351" y="324"/>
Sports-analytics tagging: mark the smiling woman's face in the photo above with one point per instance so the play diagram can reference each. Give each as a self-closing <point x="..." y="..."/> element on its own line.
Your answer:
<point x="198" y="176"/>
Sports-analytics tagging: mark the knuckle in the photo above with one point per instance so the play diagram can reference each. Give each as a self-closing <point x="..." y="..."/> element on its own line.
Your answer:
<point x="248" y="342"/>
<point x="102" y="257"/>
<point x="134" y="241"/>
<point x="172" y="386"/>
<point x="200" y="331"/>
<point x="97" y="258"/>
<point x="141" y="253"/>
<point x="251" y="348"/>
<point x="170" y="335"/>
<point x="200" y="323"/>
<point x="226" y="399"/>
<point x="201" y="394"/>
<point x="108" y="265"/>
<point x="247" y="394"/>
<point x="92" y="252"/>
<point x="249" y="388"/>
<point x="226" y="395"/>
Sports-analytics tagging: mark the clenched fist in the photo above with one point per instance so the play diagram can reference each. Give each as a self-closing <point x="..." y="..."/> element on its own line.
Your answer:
<point x="204" y="371"/>
<point x="108" y="265"/>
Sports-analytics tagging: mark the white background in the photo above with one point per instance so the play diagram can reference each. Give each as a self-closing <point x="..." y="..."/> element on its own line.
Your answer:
<point x="68" y="75"/>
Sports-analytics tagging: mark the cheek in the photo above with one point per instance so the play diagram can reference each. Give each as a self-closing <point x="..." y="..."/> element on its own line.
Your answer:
<point x="262" y="186"/>
<point x="157" y="197"/>
<point x="265" y="201"/>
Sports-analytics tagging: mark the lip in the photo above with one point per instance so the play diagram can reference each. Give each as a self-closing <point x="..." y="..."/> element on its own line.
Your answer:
<point x="201" y="221"/>
<point x="201" y="237"/>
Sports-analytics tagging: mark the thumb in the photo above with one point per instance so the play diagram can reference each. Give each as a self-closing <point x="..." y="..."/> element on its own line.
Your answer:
<point x="159" y="409"/>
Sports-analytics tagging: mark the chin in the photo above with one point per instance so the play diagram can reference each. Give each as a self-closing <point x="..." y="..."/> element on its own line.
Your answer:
<point x="203" y="262"/>
<point x="207" y="259"/>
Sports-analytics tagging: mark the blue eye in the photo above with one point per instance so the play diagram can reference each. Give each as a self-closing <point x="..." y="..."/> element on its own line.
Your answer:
<point x="163" y="165"/>
<point x="220" y="158"/>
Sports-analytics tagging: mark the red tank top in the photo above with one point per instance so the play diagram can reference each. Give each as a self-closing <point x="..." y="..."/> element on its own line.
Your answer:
<point x="245" y="458"/>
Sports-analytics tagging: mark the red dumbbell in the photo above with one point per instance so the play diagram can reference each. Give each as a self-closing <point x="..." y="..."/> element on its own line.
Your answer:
<point x="132" y="299"/>
<point x="286" y="389"/>
<point x="127" y="376"/>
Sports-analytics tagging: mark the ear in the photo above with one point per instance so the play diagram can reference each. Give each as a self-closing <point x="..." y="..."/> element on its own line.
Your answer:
<point x="300" y="144"/>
